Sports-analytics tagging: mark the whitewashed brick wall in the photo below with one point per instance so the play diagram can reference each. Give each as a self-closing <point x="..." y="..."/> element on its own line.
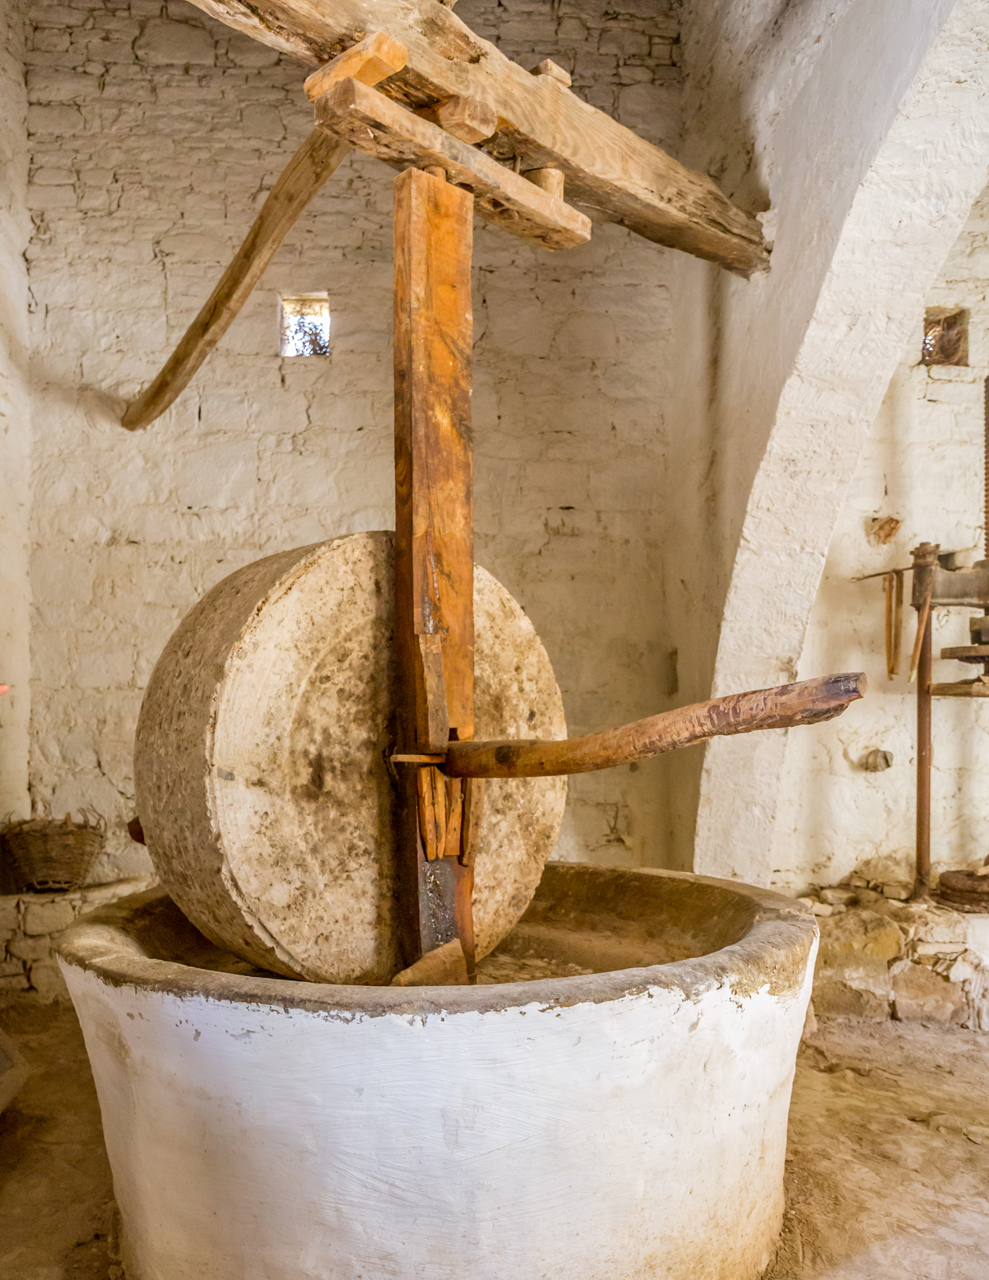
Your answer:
<point x="154" y="136"/>
<point x="923" y="465"/>
<point x="15" y="419"/>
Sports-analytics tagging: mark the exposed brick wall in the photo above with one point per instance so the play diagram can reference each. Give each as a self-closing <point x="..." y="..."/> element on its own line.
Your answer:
<point x="155" y="134"/>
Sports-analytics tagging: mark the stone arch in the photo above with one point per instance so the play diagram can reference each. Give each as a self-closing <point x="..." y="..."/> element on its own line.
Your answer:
<point x="905" y="215"/>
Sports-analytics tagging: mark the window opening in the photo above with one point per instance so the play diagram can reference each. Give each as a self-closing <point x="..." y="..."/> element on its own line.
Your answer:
<point x="305" y="325"/>
<point x="945" y="336"/>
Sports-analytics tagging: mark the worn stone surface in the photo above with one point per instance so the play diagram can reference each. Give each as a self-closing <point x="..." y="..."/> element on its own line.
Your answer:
<point x="936" y="973"/>
<point x="29" y="932"/>
<point x="852" y="974"/>
<point x="261" y="767"/>
<point x="921" y="995"/>
<point x="47" y="917"/>
<point x="858" y="933"/>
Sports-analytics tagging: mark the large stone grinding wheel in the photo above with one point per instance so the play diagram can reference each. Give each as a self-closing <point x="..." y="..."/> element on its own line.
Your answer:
<point x="261" y="762"/>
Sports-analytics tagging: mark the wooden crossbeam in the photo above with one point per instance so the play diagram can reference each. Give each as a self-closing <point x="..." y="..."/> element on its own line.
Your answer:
<point x="376" y="125"/>
<point x="541" y="122"/>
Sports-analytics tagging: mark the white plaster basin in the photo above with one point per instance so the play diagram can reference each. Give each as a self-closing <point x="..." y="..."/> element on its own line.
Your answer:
<point x="620" y="1125"/>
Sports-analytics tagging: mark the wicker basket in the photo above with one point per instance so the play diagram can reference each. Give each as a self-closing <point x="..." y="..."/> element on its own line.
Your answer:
<point x="45" y="856"/>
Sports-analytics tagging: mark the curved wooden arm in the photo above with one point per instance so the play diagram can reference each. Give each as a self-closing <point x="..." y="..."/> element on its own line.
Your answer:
<point x="301" y="178"/>
<point x="779" y="708"/>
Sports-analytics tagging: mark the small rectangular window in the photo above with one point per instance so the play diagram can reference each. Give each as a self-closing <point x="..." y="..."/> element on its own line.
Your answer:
<point x="945" y="336"/>
<point x="305" y="325"/>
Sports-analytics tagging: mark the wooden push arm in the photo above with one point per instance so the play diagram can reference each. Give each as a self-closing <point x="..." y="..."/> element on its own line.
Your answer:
<point x="782" y="707"/>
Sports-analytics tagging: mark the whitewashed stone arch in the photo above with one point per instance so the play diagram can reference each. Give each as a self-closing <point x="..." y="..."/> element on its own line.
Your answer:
<point x="906" y="214"/>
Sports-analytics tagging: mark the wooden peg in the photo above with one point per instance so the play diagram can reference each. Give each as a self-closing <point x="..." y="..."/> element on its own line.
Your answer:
<point x="471" y="821"/>
<point x="373" y="60"/>
<point x="435" y="171"/>
<point x="549" y="180"/>
<point x="555" y="72"/>
<point x="454" y="817"/>
<point x="432" y="795"/>
<point x="468" y="119"/>
<point x="445" y="966"/>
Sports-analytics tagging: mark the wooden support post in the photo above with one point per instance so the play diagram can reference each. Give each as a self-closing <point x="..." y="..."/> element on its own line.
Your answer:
<point x="434" y="550"/>
<point x="922" y="883"/>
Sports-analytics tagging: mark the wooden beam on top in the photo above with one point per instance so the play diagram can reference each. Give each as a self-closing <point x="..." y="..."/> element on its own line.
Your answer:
<point x="366" y="119"/>
<point x="541" y="123"/>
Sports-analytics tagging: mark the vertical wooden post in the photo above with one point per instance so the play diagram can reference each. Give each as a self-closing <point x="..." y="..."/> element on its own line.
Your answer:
<point x="922" y="884"/>
<point x="434" y="550"/>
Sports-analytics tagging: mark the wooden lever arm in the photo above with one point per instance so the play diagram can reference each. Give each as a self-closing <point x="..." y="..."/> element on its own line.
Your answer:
<point x="784" y="706"/>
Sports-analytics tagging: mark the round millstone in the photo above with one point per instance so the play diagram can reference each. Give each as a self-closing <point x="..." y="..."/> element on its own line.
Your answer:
<point x="261" y="762"/>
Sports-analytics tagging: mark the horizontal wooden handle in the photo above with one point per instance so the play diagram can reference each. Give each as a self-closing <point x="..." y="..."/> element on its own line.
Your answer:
<point x="782" y="707"/>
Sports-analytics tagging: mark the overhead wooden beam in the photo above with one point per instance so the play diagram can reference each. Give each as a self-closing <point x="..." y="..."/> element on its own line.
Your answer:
<point x="541" y="123"/>
<point x="385" y="129"/>
<point x="302" y="177"/>
<point x="785" y="706"/>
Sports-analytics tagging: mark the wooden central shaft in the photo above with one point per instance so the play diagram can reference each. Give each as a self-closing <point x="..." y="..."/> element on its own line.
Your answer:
<point x="434" y="551"/>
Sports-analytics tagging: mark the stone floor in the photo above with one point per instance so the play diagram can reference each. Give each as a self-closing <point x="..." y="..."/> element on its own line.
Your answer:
<point x="887" y="1171"/>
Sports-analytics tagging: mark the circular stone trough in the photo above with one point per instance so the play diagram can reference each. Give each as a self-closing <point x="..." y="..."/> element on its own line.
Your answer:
<point x="618" y="1124"/>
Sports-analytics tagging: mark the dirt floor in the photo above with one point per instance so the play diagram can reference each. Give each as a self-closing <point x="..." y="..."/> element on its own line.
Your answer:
<point x="57" y="1216"/>
<point x="888" y="1158"/>
<point x="887" y="1169"/>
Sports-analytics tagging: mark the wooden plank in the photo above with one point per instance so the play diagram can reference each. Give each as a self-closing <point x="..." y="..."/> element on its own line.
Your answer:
<point x="434" y="545"/>
<point x="785" y="706"/>
<point x="379" y="127"/>
<point x="543" y="123"/>
<point x="318" y="157"/>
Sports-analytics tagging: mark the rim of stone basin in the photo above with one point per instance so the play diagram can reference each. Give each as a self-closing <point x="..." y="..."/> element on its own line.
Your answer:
<point x="773" y="939"/>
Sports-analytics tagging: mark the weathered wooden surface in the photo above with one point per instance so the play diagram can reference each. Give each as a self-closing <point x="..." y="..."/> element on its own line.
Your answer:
<point x="374" y="124"/>
<point x="606" y="166"/>
<point x="444" y="967"/>
<point x="466" y="118"/>
<point x="261" y="767"/>
<point x="549" y="180"/>
<point x="434" y="545"/>
<point x="370" y="62"/>
<point x="783" y="707"/>
<point x="314" y="162"/>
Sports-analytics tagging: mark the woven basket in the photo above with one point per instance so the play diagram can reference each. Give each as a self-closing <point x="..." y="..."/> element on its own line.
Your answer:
<point x="45" y="856"/>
